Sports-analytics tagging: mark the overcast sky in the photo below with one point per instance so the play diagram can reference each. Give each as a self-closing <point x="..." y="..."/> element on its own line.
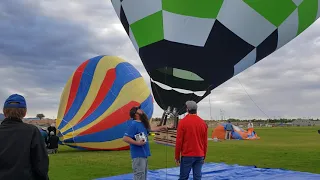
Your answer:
<point x="43" y="41"/>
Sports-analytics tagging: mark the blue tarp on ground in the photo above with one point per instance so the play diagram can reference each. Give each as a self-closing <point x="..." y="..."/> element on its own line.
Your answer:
<point x="220" y="171"/>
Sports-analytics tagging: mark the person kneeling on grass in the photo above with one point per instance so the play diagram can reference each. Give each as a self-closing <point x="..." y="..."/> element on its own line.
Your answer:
<point x="137" y="137"/>
<point x="53" y="143"/>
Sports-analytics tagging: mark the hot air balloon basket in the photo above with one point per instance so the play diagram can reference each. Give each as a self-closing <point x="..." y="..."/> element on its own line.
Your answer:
<point x="166" y="137"/>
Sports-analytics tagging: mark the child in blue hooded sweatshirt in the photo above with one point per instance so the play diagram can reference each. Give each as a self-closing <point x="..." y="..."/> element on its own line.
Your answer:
<point x="137" y="137"/>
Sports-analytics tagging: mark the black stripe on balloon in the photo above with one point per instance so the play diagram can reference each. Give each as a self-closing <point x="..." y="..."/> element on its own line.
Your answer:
<point x="124" y="20"/>
<point x="224" y="49"/>
<point x="268" y="46"/>
<point x="214" y="62"/>
<point x="174" y="99"/>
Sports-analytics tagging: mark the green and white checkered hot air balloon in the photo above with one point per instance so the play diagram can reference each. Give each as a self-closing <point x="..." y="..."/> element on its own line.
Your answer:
<point x="197" y="45"/>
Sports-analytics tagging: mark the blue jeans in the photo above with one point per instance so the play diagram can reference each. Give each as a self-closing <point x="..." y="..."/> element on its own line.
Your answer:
<point x="188" y="163"/>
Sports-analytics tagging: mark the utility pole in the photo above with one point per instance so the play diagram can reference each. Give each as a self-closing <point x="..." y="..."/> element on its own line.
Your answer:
<point x="221" y="114"/>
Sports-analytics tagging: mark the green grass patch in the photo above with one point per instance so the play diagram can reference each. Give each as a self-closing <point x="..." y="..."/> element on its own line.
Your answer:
<point x="292" y="148"/>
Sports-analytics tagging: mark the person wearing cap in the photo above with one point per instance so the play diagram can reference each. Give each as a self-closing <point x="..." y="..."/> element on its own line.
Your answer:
<point x="44" y="136"/>
<point x="137" y="136"/>
<point x="22" y="151"/>
<point x="229" y="129"/>
<point x="52" y="128"/>
<point x="191" y="143"/>
<point x="53" y="143"/>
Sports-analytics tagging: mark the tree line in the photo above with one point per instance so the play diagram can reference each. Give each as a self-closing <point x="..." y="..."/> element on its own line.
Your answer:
<point x="282" y="120"/>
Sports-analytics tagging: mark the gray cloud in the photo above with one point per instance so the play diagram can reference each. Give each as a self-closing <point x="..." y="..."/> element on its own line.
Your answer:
<point x="43" y="42"/>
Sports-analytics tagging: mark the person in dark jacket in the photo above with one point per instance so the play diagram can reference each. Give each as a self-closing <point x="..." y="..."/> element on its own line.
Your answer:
<point x="22" y="151"/>
<point x="53" y="142"/>
<point x="52" y="128"/>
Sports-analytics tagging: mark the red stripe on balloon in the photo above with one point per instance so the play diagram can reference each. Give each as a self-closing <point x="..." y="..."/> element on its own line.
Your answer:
<point x="118" y="117"/>
<point x="75" y="85"/>
<point x="106" y="85"/>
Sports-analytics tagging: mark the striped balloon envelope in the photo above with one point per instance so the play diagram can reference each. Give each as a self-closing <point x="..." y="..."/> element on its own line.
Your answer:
<point x="95" y="104"/>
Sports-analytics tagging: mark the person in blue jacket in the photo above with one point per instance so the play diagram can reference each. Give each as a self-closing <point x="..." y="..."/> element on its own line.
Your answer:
<point x="229" y="129"/>
<point x="137" y="136"/>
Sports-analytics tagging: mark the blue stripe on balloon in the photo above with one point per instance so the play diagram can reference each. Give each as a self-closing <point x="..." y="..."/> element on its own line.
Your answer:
<point x="236" y="135"/>
<point x="112" y="133"/>
<point x="147" y="106"/>
<point x="82" y="91"/>
<point x="121" y="80"/>
<point x="102" y="136"/>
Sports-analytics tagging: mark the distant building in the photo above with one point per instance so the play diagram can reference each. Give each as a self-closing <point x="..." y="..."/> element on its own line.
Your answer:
<point x="305" y="122"/>
<point x="35" y="121"/>
<point x="40" y="123"/>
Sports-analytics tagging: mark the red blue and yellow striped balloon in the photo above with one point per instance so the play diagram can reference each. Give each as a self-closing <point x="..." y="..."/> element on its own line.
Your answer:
<point x="95" y="104"/>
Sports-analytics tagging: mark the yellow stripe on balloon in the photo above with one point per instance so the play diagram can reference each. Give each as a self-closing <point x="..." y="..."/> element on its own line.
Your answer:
<point x="118" y="143"/>
<point x="125" y="96"/>
<point x="63" y="101"/>
<point x="102" y="67"/>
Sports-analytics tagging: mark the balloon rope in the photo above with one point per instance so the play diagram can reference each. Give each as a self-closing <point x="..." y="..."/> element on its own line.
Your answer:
<point x="252" y="99"/>
<point x="166" y="150"/>
<point x="167" y="157"/>
<point x="162" y="104"/>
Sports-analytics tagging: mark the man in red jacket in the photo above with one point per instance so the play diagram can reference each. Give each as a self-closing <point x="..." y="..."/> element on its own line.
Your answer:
<point x="191" y="143"/>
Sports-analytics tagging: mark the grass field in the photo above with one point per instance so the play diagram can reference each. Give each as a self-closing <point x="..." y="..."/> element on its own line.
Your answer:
<point x="293" y="148"/>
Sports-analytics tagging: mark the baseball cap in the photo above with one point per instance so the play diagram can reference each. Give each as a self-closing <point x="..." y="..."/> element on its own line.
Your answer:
<point x="191" y="105"/>
<point x="134" y="110"/>
<point x="15" y="101"/>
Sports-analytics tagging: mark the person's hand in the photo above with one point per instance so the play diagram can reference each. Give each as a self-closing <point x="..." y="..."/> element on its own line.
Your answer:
<point x="163" y="128"/>
<point x="178" y="162"/>
<point x="140" y="143"/>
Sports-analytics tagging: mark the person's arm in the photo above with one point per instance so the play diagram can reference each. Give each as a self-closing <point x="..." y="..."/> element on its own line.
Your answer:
<point x="128" y="136"/>
<point x="39" y="156"/>
<point x="158" y="128"/>
<point x="179" y="141"/>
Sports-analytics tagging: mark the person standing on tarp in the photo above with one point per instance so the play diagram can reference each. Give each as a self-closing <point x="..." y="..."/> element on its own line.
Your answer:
<point x="191" y="143"/>
<point x="137" y="136"/>
<point x="229" y="129"/>
<point x="22" y="151"/>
